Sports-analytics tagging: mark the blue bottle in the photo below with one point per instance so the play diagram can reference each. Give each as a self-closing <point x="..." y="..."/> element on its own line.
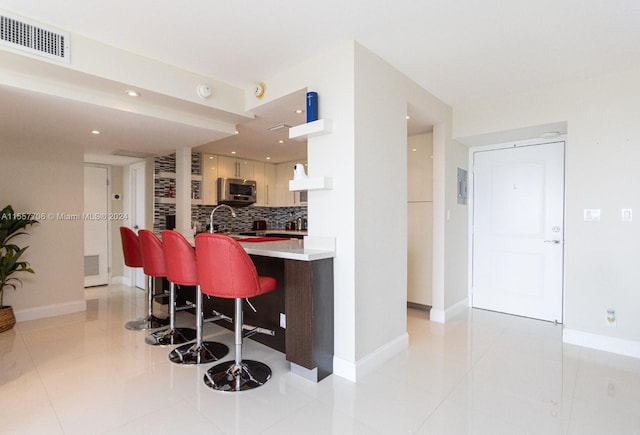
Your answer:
<point x="312" y="106"/>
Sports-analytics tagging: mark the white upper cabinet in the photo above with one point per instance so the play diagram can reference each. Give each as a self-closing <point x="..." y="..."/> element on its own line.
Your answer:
<point x="209" y="164"/>
<point x="285" y="197"/>
<point x="269" y="185"/>
<point x="420" y="168"/>
<point x="230" y="167"/>
<point x="272" y="180"/>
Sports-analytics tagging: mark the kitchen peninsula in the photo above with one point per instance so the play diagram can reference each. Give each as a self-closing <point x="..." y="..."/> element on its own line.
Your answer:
<point x="299" y="311"/>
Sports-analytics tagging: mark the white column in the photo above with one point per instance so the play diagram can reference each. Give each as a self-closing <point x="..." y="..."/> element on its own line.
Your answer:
<point x="183" y="190"/>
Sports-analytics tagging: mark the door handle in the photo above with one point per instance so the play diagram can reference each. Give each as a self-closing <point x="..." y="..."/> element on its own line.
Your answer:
<point x="555" y="242"/>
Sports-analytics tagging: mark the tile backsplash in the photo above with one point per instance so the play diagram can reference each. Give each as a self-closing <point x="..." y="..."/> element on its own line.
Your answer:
<point x="276" y="217"/>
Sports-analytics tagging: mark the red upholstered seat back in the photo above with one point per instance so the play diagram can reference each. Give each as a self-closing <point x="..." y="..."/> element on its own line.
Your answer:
<point x="179" y="259"/>
<point x="130" y="247"/>
<point x="225" y="270"/>
<point x="152" y="254"/>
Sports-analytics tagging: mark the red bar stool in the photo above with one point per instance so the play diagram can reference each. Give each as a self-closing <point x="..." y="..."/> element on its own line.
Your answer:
<point x="133" y="258"/>
<point x="154" y="266"/>
<point x="180" y="261"/>
<point x="225" y="270"/>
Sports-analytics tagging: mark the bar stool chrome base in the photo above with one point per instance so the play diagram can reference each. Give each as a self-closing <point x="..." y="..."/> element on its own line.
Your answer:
<point x="230" y="376"/>
<point x="171" y="337"/>
<point x="202" y="353"/>
<point x="149" y="322"/>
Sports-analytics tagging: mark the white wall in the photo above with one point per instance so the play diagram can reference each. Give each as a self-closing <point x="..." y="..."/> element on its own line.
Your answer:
<point x="46" y="178"/>
<point x="366" y="210"/>
<point x="602" y="155"/>
<point x="380" y="204"/>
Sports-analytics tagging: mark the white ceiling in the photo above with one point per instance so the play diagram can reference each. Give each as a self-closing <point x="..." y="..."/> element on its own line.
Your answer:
<point x="459" y="50"/>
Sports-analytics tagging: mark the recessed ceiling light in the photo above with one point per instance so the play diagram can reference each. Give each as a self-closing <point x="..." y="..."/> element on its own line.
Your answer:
<point x="132" y="93"/>
<point x="414" y="149"/>
<point x="408" y="117"/>
<point x="299" y="111"/>
<point x="268" y="158"/>
<point x="280" y="141"/>
<point x="236" y="132"/>
<point x="95" y="132"/>
<point x="233" y="152"/>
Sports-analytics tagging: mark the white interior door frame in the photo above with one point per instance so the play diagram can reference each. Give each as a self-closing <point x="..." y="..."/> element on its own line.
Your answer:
<point x="107" y="256"/>
<point x="470" y="189"/>
<point x="138" y="216"/>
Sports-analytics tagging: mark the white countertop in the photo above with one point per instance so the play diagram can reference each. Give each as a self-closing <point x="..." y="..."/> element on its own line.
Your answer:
<point x="287" y="232"/>
<point x="292" y="249"/>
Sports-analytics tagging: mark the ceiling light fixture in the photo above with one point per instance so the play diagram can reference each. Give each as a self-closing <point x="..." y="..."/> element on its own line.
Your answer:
<point x="280" y="141"/>
<point x="132" y="93"/>
<point x="299" y="111"/>
<point x="233" y="152"/>
<point x="96" y="132"/>
<point x="408" y="117"/>
<point x="268" y="158"/>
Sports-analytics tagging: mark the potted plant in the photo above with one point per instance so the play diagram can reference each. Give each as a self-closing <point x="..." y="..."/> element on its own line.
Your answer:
<point x="11" y="225"/>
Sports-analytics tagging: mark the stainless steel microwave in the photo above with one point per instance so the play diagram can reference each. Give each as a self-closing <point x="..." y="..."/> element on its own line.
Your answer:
<point x="235" y="191"/>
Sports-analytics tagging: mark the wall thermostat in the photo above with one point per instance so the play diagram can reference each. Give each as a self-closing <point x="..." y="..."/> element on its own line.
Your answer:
<point x="260" y="90"/>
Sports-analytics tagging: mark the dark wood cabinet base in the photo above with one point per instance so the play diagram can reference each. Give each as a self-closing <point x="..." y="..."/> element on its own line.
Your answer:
<point x="304" y="295"/>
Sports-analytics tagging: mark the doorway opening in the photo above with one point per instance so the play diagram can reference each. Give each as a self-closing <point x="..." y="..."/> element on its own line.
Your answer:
<point x="96" y="226"/>
<point x="518" y="229"/>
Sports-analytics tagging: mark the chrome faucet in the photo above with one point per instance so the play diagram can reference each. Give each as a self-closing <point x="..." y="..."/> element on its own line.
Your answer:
<point x="233" y="213"/>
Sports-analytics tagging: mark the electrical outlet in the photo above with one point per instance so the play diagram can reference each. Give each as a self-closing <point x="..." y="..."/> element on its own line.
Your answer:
<point x="611" y="318"/>
<point x="283" y="320"/>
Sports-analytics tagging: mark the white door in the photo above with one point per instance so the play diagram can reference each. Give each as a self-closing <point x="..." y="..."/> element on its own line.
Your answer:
<point x="518" y="216"/>
<point x="138" y="211"/>
<point x="96" y="226"/>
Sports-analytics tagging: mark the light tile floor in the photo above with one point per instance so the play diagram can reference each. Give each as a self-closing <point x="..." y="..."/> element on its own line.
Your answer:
<point x="483" y="373"/>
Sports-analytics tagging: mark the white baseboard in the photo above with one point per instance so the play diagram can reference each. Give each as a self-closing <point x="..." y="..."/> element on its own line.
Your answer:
<point x="602" y="342"/>
<point x="441" y="316"/>
<point x="352" y="371"/>
<point x="50" y="311"/>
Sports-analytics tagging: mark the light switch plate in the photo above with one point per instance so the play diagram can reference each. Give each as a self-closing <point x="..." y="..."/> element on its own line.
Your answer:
<point x="592" y="215"/>
<point x="626" y="215"/>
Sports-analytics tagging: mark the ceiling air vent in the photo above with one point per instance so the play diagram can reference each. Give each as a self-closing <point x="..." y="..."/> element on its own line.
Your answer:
<point x="34" y="39"/>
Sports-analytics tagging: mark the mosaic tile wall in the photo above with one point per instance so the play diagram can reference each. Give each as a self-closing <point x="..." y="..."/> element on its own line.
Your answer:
<point x="276" y="217"/>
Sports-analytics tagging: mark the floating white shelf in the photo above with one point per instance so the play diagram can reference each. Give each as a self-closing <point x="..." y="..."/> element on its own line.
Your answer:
<point x="316" y="183"/>
<point x="310" y="129"/>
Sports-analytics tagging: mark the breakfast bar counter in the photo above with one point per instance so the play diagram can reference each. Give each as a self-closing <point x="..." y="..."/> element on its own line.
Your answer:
<point x="291" y="249"/>
<point x="299" y="311"/>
